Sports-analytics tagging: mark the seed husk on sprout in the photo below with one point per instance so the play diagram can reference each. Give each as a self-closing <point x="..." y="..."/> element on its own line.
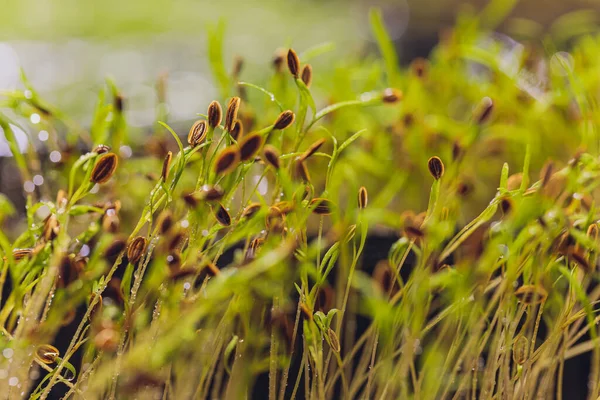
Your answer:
<point x="249" y="146"/>
<point x="531" y="294"/>
<point x="436" y="167"/>
<point x="136" y="249"/>
<point x="237" y="130"/>
<point x="321" y="206"/>
<point x="363" y="197"/>
<point x="484" y="111"/>
<point x="165" y="222"/>
<point x="312" y="149"/>
<point x="227" y="160"/>
<point x="284" y="120"/>
<point x="391" y="96"/>
<point x="271" y="155"/>
<point x="104" y="169"/>
<point x="197" y="133"/>
<point x="307" y="75"/>
<point x="222" y="215"/>
<point x="101" y="149"/>
<point x="520" y="352"/>
<point x="19" y="254"/>
<point x="251" y="209"/>
<point x="232" y="111"/>
<point x="293" y="62"/>
<point x="166" y="167"/>
<point x="47" y="354"/>
<point x="214" y="114"/>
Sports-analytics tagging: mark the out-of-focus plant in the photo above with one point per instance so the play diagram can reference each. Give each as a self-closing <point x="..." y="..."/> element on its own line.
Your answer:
<point x="190" y="263"/>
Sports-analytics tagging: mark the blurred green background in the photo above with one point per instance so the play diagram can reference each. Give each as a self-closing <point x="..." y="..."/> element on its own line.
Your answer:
<point x="68" y="47"/>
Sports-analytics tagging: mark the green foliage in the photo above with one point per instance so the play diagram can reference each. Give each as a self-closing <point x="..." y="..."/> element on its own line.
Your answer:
<point x="483" y="259"/>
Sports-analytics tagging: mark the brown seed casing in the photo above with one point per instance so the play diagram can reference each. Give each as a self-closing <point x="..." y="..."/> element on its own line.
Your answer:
<point x="457" y="150"/>
<point x="279" y="59"/>
<point x="19" y="254"/>
<point x="325" y="299"/>
<point x="333" y="340"/>
<point x="191" y="199"/>
<point x="419" y="66"/>
<point x="237" y="130"/>
<point x="301" y="171"/>
<point x="61" y="199"/>
<point x="251" y="209"/>
<point x="197" y="133"/>
<point x="531" y="294"/>
<point x="118" y="103"/>
<point x="363" y="197"/>
<point x="46" y="353"/>
<point x="238" y="65"/>
<point x="391" y="96"/>
<point x="321" y="206"/>
<point x="580" y="259"/>
<point x="222" y="215"/>
<point x="114" y="249"/>
<point x="514" y="181"/>
<point x="101" y="149"/>
<point x="484" y="111"/>
<point x="166" y="166"/>
<point x="107" y="340"/>
<point x="307" y="75"/>
<point x="249" y="146"/>
<point x="51" y="228"/>
<point x="211" y="192"/>
<point x="384" y="278"/>
<point x="165" y="222"/>
<point x="174" y="261"/>
<point x="227" y="161"/>
<point x="436" y="167"/>
<point x="69" y="270"/>
<point x="593" y="232"/>
<point x="506" y="205"/>
<point x="215" y="114"/>
<point x="306" y="312"/>
<point x="285" y="119"/>
<point x="285" y="206"/>
<point x="312" y="149"/>
<point x="232" y="111"/>
<point x="271" y="155"/>
<point x="212" y="269"/>
<point x="105" y="168"/>
<point x="546" y="173"/>
<point x="136" y="249"/>
<point x="413" y="233"/>
<point x="293" y="62"/>
<point x="177" y="241"/>
<point x="253" y="249"/>
<point x="111" y="222"/>
<point x="274" y="220"/>
<point x="520" y="350"/>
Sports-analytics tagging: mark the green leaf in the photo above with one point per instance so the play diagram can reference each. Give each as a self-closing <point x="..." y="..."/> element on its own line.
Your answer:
<point x="228" y="350"/>
<point x="126" y="282"/>
<point x="84" y="209"/>
<point x="306" y="95"/>
<point x="265" y="91"/>
<point x="504" y="177"/>
<point x="6" y="207"/>
<point x="330" y="316"/>
<point x="386" y="46"/>
<point x="216" y="34"/>
<point x="316" y="51"/>
<point x="526" y="162"/>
